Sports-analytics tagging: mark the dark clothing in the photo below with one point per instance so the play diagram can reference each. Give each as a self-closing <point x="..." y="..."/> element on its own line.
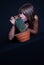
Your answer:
<point x="16" y="30"/>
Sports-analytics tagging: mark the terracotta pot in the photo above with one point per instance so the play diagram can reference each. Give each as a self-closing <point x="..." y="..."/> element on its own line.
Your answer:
<point x="24" y="36"/>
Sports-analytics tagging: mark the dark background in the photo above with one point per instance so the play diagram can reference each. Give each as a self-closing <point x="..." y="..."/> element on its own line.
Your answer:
<point x="32" y="50"/>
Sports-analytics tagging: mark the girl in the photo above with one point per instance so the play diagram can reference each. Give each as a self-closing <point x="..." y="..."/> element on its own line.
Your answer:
<point x="27" y="14"/>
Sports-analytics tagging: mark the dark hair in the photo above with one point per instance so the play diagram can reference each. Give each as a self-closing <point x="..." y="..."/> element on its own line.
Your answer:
<point x="28" y="10"/>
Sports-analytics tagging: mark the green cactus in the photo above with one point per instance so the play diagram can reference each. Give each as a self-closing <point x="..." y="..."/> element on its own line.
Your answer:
<point x="20" y="25"/>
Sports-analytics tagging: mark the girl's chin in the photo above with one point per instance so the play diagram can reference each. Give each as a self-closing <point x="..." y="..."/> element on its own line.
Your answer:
<point x="23" y="20"/>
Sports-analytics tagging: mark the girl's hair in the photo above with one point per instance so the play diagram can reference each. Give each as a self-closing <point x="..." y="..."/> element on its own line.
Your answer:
<point x="28" y="10"/>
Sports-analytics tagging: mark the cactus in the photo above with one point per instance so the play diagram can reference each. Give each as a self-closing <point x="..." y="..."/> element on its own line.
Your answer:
<point x="20" y="25"/>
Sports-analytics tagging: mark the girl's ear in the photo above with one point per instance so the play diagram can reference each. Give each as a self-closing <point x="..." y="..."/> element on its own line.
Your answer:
<point x="35" y="17"/>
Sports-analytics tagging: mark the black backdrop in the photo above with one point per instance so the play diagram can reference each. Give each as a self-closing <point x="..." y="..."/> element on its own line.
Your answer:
<point x="32" y="50"/>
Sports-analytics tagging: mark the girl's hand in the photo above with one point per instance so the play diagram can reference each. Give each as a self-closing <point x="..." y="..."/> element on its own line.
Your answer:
<point x="12" y="20"/>
<point x="27" y="25"/>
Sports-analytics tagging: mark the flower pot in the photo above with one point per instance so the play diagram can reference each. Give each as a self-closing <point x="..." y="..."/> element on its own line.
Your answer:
<point x="23" y="36"/>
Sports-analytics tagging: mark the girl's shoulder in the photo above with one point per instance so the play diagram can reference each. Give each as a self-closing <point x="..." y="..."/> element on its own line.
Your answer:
<point x="36" y="17"/>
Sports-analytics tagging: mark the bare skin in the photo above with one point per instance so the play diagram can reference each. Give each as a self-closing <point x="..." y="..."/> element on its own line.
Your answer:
<point x="35" y="25"/>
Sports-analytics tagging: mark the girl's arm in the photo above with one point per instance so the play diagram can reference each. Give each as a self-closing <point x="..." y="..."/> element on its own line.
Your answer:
<point x="12" y="30"/>
<point x="35" y="25"/>
<point x="11" y="33"/>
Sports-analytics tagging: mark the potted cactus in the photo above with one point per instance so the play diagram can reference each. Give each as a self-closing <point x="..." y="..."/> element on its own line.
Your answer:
<point x="23" y="36"/>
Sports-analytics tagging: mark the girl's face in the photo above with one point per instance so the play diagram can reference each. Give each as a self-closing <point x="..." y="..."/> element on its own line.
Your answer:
<point x="23" y="17"/>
